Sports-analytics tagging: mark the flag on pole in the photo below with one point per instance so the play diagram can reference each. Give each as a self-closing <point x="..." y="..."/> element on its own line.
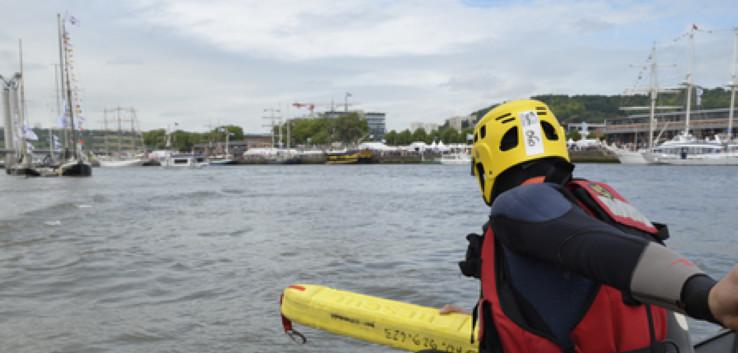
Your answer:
<point x="57" y="144"/>
<point x="28" y="133"/>
<point x="62" y="119"/>
<point x="80" y="120"/>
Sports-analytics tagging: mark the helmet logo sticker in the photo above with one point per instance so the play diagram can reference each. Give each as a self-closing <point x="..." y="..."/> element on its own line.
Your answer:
<point x="531" y="132"/>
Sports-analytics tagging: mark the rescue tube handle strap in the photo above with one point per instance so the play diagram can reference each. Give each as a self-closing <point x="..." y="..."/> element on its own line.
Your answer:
<point x="293" y="334"/>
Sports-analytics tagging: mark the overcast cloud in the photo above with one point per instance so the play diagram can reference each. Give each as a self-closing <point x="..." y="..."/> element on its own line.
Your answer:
<point x="202" y="63"/>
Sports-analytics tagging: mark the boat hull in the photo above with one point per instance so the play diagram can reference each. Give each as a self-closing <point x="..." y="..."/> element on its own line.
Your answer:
<point x="121" y="163"/>
<point x="75" y="169"/>
<point x="630" y="157"/>
<point x="219" y="162"/>
<point x="24" y="171"/>
<point x="724" y="342"/>
<point x="715" y="159"/>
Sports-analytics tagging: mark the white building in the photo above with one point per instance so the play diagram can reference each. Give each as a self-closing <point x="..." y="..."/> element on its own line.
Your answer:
<point x="428" y="127"/>
<point x="461" y="122"/>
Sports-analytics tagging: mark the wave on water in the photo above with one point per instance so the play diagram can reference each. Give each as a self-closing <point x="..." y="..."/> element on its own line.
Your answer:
<point x="141" y="335"/>
<point x="188" y="195"/>
<point x="233" y="233"/>
<point x="47" y="263"/>
<point x="55" y="210"/>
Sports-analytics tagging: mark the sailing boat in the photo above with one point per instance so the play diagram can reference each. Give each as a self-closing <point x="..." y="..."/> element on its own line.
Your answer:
<point x="227" y="157"/>
<point x="123" y="158"/>
<point x="75" y="163"/>
<point x="635" y="155"/>
<point x="20" y="131"/>
<point x="685" y="149"/>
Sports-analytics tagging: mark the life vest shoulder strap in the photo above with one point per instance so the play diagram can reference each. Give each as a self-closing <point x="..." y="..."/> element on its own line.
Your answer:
<point x="604" y="202"/>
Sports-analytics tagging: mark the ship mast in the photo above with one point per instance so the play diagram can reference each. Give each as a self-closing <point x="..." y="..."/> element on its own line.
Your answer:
<point x="732" y="86"/>
<point x="21" y="109"/>
<point x="690" y="79"/>
<point x="654" y="95"/>
<point x="62" y="70"/>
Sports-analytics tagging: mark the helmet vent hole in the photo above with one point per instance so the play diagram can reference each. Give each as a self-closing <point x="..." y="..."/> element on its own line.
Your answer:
<point x="480" y="175"/>
<point x="507" y="120"/>
<point x="476" y="137"/>
<point x="541" y="108"/>
<point x="549" y="131"/>
<point x="483" y="131"/>
<point x="509" y="140"/>
<point x="502" y="116"/>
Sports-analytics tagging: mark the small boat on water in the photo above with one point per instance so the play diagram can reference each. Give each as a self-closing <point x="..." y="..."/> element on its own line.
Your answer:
<point x="184" y="161"/>
<point x="75" y="168"/>
<point x="118" y="163"/>
<point x="457" y="158"/>
<point x="221" y="159"/>
<point x="349" y="157"/>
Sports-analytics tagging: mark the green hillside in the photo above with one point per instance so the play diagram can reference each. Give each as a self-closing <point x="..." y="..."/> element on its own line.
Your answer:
<point x="597" y="108"/>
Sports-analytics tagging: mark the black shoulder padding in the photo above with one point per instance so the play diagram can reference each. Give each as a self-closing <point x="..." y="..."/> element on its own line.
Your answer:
<point x="663" y="231"/>
<point x="472" y="264"/>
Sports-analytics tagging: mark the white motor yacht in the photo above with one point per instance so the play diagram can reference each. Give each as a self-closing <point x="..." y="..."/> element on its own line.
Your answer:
<point x="686" y="150"/>
<point x="184" y="161"/>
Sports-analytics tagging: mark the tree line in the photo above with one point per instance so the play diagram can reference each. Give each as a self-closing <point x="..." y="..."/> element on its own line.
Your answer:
<point x="184" y="140"/>
<point x="352" y="128"/>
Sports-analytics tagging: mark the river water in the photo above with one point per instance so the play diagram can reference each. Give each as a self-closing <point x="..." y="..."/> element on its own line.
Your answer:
<point x="156" y="260"/>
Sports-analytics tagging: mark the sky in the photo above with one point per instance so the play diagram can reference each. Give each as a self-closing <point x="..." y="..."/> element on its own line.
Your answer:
<point x="200" y="64"/>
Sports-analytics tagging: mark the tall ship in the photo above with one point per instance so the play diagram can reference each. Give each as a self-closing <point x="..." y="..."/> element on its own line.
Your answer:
<point x="73" y="161"/>
<point x="123" y="147"/>
<point x="685" y="149"/>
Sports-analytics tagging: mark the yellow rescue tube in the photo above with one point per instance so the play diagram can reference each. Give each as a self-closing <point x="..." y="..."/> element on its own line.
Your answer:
<point x="383" y="321"/>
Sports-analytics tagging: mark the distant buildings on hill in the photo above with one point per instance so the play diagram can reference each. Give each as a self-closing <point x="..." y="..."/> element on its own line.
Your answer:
<point x="428" y="127"/>
<point x="462" y="122"/>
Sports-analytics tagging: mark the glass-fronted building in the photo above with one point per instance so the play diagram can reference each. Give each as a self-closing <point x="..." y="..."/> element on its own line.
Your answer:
<point x="377" y="125"/>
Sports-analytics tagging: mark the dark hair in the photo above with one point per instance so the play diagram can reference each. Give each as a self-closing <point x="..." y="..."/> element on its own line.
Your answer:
<point x="554" y="169"/>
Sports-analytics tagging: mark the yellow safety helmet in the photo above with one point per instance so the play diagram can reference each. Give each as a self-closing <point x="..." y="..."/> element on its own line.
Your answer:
<point x="513" y="133"/>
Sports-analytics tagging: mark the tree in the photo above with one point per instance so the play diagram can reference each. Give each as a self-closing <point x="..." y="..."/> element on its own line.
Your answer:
<point x="404" y="138"/>
<point x="574" y="135"/>
<point x="420" y="135"/>
<point x="155" y="139"/>
<point x="350" y="128"/>
<point x="450" y="135"/>
<point x="390" y="138"/>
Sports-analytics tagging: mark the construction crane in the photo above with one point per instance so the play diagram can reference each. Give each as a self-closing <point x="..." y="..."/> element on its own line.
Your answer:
<point x="309" y="106"/>
<point x="330" y="105"/>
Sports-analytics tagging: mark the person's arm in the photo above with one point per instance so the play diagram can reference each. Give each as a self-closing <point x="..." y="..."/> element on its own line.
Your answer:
<point x="723" y="300"/>
<point x="538" y="221"/>
<point x="450" y="308"/>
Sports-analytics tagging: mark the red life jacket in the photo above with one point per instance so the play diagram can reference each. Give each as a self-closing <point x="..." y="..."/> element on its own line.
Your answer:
<point x="607" y="326"/>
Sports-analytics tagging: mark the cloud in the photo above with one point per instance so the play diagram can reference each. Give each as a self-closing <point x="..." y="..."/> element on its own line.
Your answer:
<point x="124" y="61"/>
<point x="417" y="60"/>
<point x="588" y="25"/>
<point x="289" y="30"/>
